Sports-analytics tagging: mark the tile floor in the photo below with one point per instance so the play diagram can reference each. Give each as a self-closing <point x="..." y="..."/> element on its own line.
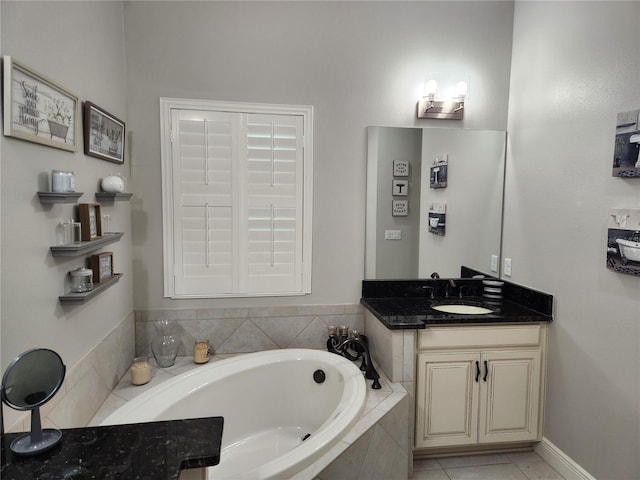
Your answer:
<point x="509" y="466"/>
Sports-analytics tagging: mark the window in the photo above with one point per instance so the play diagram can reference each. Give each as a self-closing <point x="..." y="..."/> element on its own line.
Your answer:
<point x="237" y="192"/>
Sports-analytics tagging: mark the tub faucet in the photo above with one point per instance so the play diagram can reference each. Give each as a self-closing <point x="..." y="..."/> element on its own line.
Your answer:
<point x="359" y="344"/>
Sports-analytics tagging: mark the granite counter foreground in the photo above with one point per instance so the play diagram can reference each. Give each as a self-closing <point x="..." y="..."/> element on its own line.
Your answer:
<point x="141" y="451"/>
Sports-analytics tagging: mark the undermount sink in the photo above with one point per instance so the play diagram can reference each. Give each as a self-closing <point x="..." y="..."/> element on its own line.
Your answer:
<point x="462" y="309"/>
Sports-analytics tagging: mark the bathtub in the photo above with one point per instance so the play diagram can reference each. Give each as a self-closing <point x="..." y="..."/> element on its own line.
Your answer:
<point x="270" y="402"/>
<point x="629" y="250"/>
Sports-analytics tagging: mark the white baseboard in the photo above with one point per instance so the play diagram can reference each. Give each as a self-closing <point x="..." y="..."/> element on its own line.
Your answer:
<point x="561" y="462"/>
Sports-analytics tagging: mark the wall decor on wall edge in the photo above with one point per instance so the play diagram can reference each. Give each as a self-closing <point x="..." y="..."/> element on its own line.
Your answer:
<point x="400" y="188"/>
<point x="623" y="241"/>
<point x="401" y="168"/>
<point x="626" y="151"/>
<point x="437" y="218"/>
<point x="38" y="110"/>
<point x="400" y="208"/>
<point x="439" y="171"/>
<point x="103" y="134"/>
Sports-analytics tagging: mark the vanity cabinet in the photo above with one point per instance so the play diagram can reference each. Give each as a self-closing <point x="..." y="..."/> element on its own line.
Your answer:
<point x="479" y="385"/>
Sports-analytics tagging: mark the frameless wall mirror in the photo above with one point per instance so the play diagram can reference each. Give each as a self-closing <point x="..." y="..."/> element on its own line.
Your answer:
<point x="399" y="243"/>
<point x="30" y="381"/>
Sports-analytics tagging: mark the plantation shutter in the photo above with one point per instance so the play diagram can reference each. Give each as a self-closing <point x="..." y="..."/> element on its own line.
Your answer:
<point x="274" y="202"/>
<point x="203" y="202"/>
<point x="237" y="182"/>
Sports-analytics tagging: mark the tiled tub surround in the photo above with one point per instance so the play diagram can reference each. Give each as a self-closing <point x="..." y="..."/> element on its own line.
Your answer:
<point x="376" y="447"/>
<point x="86" y="385"/>
<point x="250" y="329"/>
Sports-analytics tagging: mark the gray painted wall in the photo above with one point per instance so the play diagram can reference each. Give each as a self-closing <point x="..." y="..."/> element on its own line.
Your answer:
<point x="398" y="258"/>
<point x="357" y="63"/>
<point x="575" y="66"/>
<point x="79" y="45"/>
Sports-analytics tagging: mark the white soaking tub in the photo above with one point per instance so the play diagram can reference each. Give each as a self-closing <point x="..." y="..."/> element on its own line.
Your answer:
<point x="270" y="402"/>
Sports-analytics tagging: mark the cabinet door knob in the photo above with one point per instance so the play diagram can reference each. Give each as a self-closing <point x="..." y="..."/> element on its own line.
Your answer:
<point x="477" y="370"/>
<point x="486" y="370"/>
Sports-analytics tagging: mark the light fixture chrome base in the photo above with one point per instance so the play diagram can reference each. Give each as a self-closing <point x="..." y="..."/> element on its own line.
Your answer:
<point x="438" y="109"/>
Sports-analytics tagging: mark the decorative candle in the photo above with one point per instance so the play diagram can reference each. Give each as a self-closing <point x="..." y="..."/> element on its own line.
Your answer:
<point x="201" y="352"/>
<point x="140" y="371"/>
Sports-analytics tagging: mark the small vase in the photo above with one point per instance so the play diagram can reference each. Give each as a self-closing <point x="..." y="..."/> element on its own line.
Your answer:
<point x="165" y="345"/>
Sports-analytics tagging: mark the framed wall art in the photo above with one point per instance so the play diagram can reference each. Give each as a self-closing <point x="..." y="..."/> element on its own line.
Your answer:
<point x="401" y="168"/>
<point x="400" y="208"/>
<point x="623" y="241"/>
<point x="38" y="110"/>
<point x="400" y="188"/>
<point x="103" y="134"/>
<point x="90" y="221"/>
<point x="102" y="266"/>
<point x="626" y="150"/>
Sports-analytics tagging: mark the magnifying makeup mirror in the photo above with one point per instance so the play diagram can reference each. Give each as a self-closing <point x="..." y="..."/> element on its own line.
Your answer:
<point x="30" y="381"/>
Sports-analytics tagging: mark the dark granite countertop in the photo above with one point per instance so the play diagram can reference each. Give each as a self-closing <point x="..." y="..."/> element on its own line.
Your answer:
<point x="416" y="313"/>
<point x="141" y="451"/>
<point x="406" y="304"/>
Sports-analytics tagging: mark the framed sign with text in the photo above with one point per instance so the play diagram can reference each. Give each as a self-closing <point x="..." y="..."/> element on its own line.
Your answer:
<point x="102" y="266"/>
<point x="38" y="110"/>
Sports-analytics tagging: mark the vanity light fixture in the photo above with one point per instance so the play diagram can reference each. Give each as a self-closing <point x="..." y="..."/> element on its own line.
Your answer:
<point x="429" y="107"/>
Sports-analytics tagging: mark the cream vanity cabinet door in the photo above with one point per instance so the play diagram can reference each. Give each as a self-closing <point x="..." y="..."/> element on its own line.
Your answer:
<point x="509" y="396"/>
<point x="479" y="385"/>
<point x="447" y="399"/>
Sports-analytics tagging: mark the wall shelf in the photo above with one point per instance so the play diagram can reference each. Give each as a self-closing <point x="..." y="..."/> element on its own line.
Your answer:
<point x="78" y="298"/>
<point x="111" y="197"/>
<point x="59" y="197"/>
<point x="82" y="248"/>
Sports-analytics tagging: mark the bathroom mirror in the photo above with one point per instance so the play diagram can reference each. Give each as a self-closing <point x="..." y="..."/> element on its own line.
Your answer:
<point x="401" y="244"/>
<point x="30" y="381"/>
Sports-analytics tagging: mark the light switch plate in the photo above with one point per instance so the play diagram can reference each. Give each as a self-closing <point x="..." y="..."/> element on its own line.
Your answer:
<point x="494" y="263"/>
<point x="393" y="234"/>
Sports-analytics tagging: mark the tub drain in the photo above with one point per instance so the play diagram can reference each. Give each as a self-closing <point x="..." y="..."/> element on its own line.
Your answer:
<point x="306" y="436"/>
<point x="319" y="376"/>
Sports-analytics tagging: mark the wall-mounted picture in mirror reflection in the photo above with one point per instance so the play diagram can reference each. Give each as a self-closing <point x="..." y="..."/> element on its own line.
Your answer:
<point x="623" y="241"/>
<point x="36" y="109"/>
<point x="103" y="134"/>
<point x="626" y="154"/>
<point x="437" y="218"/>
<point x="438" y="172"/>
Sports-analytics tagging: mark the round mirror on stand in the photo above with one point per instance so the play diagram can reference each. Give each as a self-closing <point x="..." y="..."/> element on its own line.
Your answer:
<point x="30" y="381"/>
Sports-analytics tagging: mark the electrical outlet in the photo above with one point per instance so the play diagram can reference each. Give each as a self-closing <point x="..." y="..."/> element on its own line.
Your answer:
<point x="507" y="267"/>
<point x="494" y="263"/>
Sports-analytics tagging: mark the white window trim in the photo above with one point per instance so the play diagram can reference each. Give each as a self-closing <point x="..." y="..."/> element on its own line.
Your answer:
<point x="168" y="104"/>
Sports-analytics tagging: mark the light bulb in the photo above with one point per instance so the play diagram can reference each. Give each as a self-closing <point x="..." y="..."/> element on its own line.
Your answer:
<point x="431" y="88"/>
<point x="461" y="89"/>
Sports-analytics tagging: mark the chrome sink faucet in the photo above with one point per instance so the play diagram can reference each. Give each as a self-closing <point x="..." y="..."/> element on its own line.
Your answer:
<point x="452" y="284"/>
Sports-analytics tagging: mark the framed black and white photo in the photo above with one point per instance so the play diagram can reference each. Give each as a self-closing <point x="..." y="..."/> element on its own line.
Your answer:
<point x="38" y="110"/>
<point x="103" y="134"/>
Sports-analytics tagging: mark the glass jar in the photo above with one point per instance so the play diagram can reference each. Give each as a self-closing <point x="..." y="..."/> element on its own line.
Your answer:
<point x="201" y="351"/>
<point x="140" y="371"/>
<point x="165" y="345"/>
<point x="81" y="280"/>
<point x="62" y="181"/>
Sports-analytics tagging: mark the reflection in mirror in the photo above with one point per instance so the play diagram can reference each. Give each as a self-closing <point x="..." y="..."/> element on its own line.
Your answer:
<point x="473" y="197"/>
<point x="30" y="381"/>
